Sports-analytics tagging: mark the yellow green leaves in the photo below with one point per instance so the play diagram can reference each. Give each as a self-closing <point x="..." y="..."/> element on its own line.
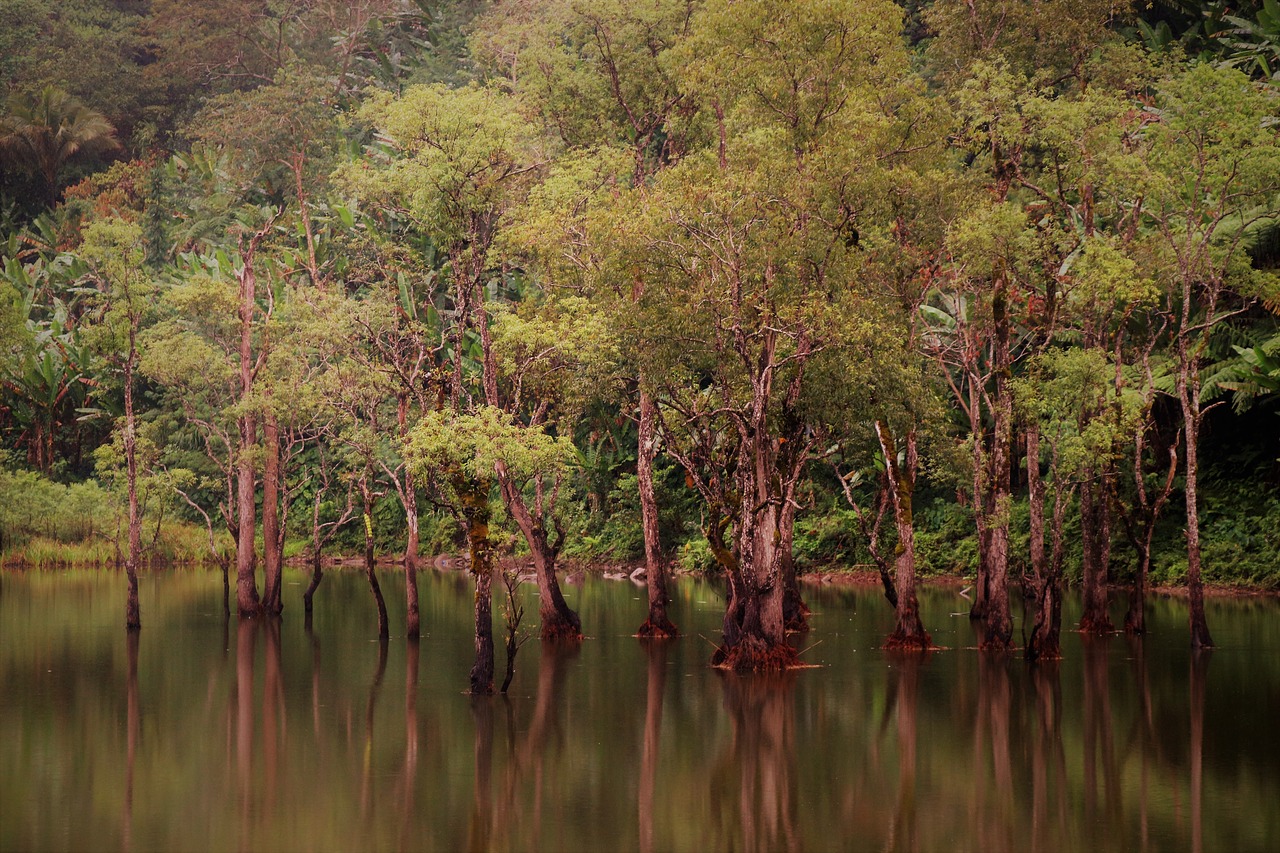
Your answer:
<point x="808" y="68"/>
<point x="449" y="157"/>
<point x="475" y="442"/>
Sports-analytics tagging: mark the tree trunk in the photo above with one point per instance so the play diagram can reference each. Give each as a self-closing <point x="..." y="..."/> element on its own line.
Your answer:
<point x="132" y="611"/>
<point x="374" y="587"/>
<point x="908" y="631"/>
<point x="1200" y="638"/>
<point x="795" y="613"/>
<point x="412" y="629"/>
<point x="411" y="620"/>
<point x="755" y="636"/>
<point x="658" y="624"/>
<point x="246" y="528"/>
<point x="316" y="576"/>
<point x="999" y="628"/>
<point x="1135" y="618"/>
<point x="271" y="533"/>
<point x="409" y="497"/>
<point x="980" y="489"/>
<point x="1188" y="381"/>
<point x="1095" y="533"/>
<point x="247" y="602"/>
<point x="558" y="619"/>
<point x="475" y="507"/>
<point x="1044" y="641"/>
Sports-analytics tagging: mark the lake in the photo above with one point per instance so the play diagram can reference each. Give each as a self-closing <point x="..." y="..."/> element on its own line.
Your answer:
<point x="209" y="733"/>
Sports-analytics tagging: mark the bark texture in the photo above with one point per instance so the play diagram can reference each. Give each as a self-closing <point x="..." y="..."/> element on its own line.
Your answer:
<point x="658" y="624"/>
<point x="908" y="631"/>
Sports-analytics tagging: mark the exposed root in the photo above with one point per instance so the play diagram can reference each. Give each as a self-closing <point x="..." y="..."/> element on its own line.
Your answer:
<point x="901" y="641"/>
<point x="753" y="654"/>
<point x="657" y="631"/>
<point x="1096" y="626"/>
<point x="797" y="622"/>
<point x="560" y="629"/>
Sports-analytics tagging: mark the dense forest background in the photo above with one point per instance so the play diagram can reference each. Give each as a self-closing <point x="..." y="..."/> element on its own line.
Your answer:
<point x="991" y="284"/>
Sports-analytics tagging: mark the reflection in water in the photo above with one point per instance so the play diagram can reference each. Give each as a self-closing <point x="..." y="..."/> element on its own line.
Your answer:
<point x="134" y="724"/>
<point x="246" y="630"/>
<point x="1199" y="672"/>
<point x="1099" y="747"/>
<point x="273" y="717"/>
<point x="366" y="763"/>
<point x="991" y="816"/>
<point x="656" y="653"/>
<point x="409" y="777"/>
<point x="480" y="824"/>
<point x="527" y="756"/>
<point x="905" y="690"/>
<point x="616" y="746"/>
<point x="1048" y="760"/>
<point x="762" y="751"/>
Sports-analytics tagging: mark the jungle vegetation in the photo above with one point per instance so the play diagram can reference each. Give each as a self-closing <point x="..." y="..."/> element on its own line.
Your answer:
<point x="750" y="288"/>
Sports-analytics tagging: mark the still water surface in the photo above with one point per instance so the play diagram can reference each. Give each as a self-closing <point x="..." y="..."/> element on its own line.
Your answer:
<point x="215" y="734"/>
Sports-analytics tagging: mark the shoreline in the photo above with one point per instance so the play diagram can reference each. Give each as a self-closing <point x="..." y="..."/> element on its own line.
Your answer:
<point x="853" y="576"/>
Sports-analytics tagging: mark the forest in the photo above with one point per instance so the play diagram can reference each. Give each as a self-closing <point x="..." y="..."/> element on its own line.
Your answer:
<point x="750" y="289"/>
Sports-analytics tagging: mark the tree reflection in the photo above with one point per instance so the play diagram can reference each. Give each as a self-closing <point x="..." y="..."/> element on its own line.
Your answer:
<point x="656" y="652"/>
<point x="1048" y="760"/>
<point x="134" y="725"/>
<point x="1099" y="745"/>
<point x="366" y="780"/>
<point x="527" y="756"/>
<point x="409" y="778"/>
<point x="1199" y="673"/>
<point x="904" y="687"/>
<point x="246" y="630"/>
<point x="273" y="715"/>
<point x="480" y="825"/>
<point x="992" y="821"/>
<point x="761" y="751"/>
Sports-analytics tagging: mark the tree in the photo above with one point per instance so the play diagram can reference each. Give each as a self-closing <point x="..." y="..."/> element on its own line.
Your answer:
<point x="599" y="77"/>
<point x="42" y="133"/>
<point x="1215" y="160"/>
<point x="461" y="160"/>
<point x="114" y="252"/>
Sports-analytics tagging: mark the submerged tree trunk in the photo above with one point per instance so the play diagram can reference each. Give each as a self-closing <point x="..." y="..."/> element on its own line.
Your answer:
<point x="908" y="631"/>
<point x="1200" y="637"/>
<point x="557" y="618"/>
<point x="1096" y="534"/>
<point x="247" y="602"/>
<point x="755" y="632"/>
<point x="981" y="509"/>
<point x="795" y="613"/>
<point x="271" y="533"/>
<point x="658" y="624"/>
<point x="374" y="587"/>
<point x="412" y="628"/>
<point x="475" y="510"/>
<point x="1044" y="641"/>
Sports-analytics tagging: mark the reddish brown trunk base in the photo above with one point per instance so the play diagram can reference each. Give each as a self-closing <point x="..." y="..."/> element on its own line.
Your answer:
<point x="1135" y="621"/>
<point x="909" y="641"/>
<point x="662" y="630"/>
<point x="1092" y="623"/>
<point x="755" y="654"/>
<point x="561" y="626"/>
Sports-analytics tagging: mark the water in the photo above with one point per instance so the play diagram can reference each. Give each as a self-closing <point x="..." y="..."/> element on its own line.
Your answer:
<point x="210" y="734"/>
